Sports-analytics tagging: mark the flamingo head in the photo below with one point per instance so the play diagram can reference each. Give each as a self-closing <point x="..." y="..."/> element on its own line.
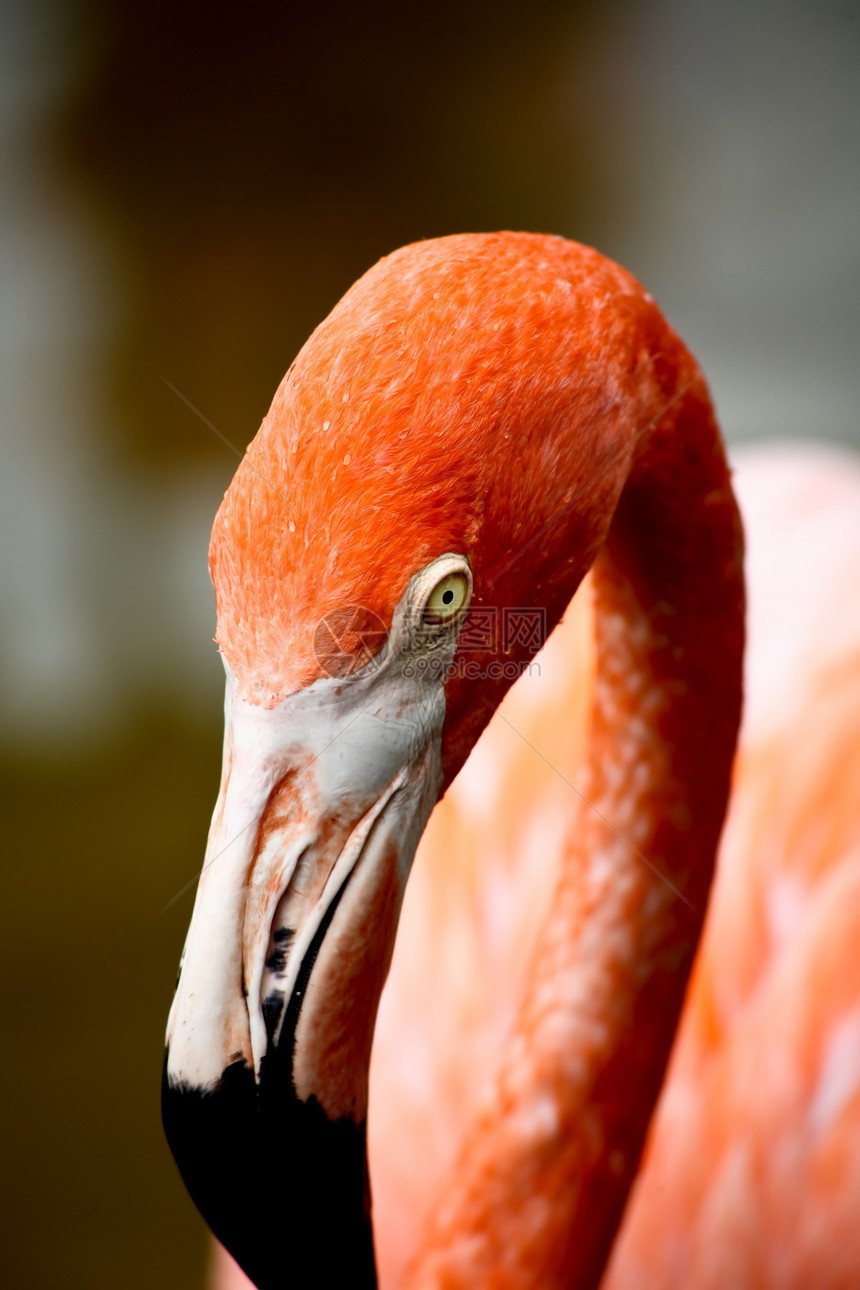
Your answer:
<point x="430" y="485"/>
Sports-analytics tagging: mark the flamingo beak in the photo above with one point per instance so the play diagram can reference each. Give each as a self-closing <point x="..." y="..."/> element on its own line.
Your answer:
<point x="323" y="800"/>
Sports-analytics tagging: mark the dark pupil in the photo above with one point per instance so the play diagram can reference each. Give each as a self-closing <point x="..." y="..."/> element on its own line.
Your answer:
<point x="447" y="597"/>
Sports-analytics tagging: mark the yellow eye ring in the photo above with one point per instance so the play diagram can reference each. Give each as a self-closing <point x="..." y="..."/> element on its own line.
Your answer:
<point x="448" y="597"/>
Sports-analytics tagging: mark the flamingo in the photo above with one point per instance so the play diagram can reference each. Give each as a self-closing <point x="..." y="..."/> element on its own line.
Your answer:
<point x="479" y="422"/>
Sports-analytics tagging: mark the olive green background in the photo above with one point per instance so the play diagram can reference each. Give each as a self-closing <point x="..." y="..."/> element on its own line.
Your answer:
<point x="186" y="191"/>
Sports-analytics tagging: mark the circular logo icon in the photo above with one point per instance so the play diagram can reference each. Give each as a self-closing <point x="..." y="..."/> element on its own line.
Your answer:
<point x="348" y="639"/>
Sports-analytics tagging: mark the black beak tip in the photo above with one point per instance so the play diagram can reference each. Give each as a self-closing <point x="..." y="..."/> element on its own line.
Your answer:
<point x="284" y="1188"/>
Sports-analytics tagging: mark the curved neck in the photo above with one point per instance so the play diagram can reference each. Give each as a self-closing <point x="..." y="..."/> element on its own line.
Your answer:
<point x="545" y="1173"/>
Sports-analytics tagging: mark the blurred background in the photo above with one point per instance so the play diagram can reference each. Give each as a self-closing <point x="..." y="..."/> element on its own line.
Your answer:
<point x="186" y="191"/>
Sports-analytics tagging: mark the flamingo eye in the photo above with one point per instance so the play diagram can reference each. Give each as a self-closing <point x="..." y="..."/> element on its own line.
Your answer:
<point x="437" y="598"/>
<point x="450" y="595"/>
